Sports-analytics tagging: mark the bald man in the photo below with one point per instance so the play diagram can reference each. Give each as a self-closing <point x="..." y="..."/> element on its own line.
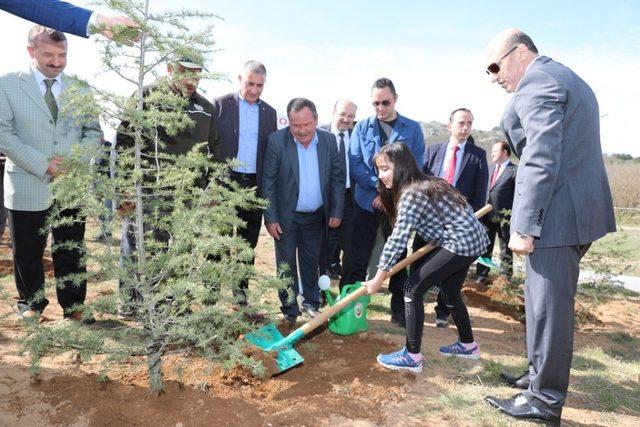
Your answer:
<point x="562" y="204"/>
<point x="337" y="239"/>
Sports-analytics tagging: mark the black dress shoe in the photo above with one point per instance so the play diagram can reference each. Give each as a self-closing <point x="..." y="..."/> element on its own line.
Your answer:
<point x="519" y="407"/>
<point x="521" y="382"/>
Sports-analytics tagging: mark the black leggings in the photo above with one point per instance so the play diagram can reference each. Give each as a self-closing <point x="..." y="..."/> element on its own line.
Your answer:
<point x="444" y="268"/>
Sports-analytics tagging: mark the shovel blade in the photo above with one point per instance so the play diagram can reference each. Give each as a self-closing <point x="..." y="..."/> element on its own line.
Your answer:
<point x="487" y="262"/>
<point x="269" y="339"/>
<point x="265" y="337"/>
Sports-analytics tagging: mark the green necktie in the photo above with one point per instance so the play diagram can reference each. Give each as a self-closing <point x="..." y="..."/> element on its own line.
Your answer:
<point x="50" y="99"/>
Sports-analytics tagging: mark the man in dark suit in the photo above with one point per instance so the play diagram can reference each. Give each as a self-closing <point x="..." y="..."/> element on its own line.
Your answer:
<point x="459" y="161"/>
<point x="463" y="165"/>
<point x="65" y="17"/>
<point x="501" y="187"/>
<point x="337" y="239"/>
<point x="562" y="204"/>
<point x="303" y="180"/>
<point x="244" y="121"/>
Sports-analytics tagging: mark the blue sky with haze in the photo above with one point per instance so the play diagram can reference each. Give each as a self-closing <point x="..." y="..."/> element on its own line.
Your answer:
<point x="433" y="51"/>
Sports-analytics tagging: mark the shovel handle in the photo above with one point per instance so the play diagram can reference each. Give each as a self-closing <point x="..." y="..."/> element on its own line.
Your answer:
<point x="429" y="247"/>
<point x="361" y="291"/>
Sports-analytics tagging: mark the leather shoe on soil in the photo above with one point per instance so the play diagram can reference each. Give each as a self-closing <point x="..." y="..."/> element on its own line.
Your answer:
<point x="79" y="316"/>
<point x="519" y="407"/>
<point x="521" y="382"/>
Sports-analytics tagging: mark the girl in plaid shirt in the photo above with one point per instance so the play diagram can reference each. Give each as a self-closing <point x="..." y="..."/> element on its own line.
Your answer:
<point x="439" y="214"/>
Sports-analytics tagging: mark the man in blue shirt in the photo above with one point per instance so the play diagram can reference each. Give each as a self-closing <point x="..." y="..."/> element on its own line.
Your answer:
<point x="244" y="121"/>
<point x="368" y="137"/>
<point x="303" y="180"/>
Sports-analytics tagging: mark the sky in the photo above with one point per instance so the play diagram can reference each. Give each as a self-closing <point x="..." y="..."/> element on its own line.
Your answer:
<point x="434" y="51"/>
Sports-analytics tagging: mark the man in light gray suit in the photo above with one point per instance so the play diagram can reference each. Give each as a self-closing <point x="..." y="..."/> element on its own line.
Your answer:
<point x="562" y="204"/>
<point x="36" y="132"/>
<point x="303" y="179"/>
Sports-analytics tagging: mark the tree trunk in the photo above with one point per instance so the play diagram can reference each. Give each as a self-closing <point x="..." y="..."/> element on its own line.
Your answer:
<point x="154" y="365"/>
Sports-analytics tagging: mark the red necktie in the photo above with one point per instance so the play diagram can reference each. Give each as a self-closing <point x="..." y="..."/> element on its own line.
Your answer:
<point x="450" y="173"/>
<point x="494" y="176"/>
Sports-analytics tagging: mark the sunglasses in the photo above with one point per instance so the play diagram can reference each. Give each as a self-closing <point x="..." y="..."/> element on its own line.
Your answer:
<point x="385" y="103"/>
<point x="494" y="68"/>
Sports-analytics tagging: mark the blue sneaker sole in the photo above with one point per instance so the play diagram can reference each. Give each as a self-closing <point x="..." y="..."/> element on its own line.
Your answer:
<point x="463" y="356"/>
<point x="416" y="369"/>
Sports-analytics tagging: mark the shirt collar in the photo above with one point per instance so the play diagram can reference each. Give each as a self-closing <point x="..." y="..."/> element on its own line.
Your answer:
<point x="531" y="63"/>
<point x="241" y="98"/>
<point x="314" y="141"/>
<point x="460" y="146"/>
<point x="503" y="164"/>
<point x="41" y="77"/>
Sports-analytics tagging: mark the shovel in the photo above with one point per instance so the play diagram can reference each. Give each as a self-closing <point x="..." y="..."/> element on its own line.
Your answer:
<point x="269" y="339"/>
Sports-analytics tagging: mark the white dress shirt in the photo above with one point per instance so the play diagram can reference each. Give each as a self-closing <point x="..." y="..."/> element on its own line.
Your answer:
<point x="56" y="88"/>
<point x="336" y="132"/>
<point x="447" y="158"/>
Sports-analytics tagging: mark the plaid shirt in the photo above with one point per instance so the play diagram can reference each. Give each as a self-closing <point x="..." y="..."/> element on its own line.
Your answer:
<point x="447" y="225"/>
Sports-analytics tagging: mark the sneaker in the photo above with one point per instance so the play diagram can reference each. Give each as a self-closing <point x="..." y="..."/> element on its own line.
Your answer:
<point x="442" y="323"/>
<point x="457" y="349"/>
<point x="310" y="311"/>
<point x="400" y="361"/>
<point x="27" y="316"/>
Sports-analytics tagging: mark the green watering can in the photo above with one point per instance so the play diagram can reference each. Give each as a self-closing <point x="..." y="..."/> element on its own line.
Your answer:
<point x="351" y="319"/>
<point x="271" y="341"/>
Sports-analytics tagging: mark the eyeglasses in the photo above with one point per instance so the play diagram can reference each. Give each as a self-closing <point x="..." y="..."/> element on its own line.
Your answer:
<point x="494" y="68"/>
<point x="385" y="103"/>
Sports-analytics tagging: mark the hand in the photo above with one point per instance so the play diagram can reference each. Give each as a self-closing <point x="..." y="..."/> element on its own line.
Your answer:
<point x="274" y="230"/>
<point x="54" y="168"/>
<point x="377" y="204"/>
<point x="107" y="24"/>
<point x="521" y="245"/>
<point x="335" y="222"/>
<point x="374" y="285"/>
<point x="125" y="209"/>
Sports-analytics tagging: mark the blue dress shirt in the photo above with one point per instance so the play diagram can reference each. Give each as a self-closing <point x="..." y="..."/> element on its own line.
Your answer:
<point x="248" y="127"/>
<point x="309" y="192"/>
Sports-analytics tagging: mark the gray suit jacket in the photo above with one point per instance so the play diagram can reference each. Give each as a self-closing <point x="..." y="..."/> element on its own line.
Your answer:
<point x="562" y="195"/>
<point x="30" y="138"/>
<point x="281" y="177"/>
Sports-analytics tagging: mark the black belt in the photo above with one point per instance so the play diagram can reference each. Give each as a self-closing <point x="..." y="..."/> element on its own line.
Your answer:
<point x="243" y="176"/>
<point x="320" y="209"/>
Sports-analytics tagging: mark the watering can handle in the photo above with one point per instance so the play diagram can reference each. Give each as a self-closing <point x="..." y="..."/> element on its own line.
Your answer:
<point x="361" y="291"/>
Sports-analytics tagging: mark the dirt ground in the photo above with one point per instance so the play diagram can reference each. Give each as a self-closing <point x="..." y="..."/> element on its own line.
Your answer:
<point x="339" y="382"/>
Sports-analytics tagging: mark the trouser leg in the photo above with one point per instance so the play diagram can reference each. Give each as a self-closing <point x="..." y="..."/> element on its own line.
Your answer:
<point x="69" y="263"/>
<point x="28" y="244"/>
<point x="550" y="287"/>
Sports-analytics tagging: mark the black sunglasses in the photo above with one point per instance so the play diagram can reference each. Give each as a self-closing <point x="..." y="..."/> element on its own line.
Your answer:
<point x="386" y="103"/>
<point x="494" y="68"/>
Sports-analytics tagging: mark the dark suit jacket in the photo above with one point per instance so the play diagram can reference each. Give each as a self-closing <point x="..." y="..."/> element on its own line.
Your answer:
<point x="226" y="114"/>
<point x="281" y="177"/>
<point x="343" y="158"/>
<point x="501" y="195"/>
<point x="474" y="177"/>
<point x="56" y="14"/>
